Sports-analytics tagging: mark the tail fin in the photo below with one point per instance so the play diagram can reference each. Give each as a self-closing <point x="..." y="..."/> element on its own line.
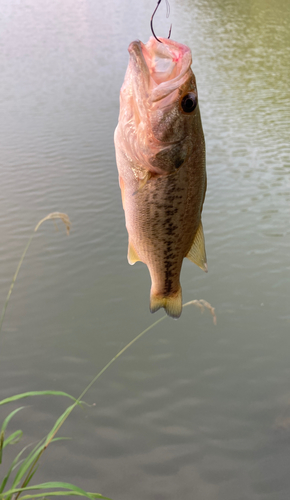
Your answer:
<point x="172" y="303"/>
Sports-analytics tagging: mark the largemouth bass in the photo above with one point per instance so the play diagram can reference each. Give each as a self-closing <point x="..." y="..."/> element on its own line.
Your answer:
<point x="160" y="153"/>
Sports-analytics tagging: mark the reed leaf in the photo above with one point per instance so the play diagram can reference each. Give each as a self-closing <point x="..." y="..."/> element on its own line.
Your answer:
<point x="13" y="466"/>
<point x="26" y="465"/>
<point x="53" y="216"/>
<point x="13" y="438"/>
<point x="9" y="417"/>
<point x="71" y="489"/>
<point x="37" y="393"/>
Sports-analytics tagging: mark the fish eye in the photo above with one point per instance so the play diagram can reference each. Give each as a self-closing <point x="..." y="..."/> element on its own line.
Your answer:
<point x="189" y="102"/>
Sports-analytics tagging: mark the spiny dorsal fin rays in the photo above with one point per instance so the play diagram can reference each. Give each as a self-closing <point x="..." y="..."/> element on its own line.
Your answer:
<point x="197" y="253"/>
<point x="132" y="254"/>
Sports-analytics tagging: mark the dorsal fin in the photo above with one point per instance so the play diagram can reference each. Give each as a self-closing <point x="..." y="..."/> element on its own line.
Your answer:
<point x="132" y="254"/>
<point x="197" y="251"/>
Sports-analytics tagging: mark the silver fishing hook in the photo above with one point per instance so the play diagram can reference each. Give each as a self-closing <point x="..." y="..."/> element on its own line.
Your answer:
<point x="167" y="15"/>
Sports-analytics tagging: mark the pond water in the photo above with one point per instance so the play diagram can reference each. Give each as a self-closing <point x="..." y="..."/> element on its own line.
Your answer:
<point x="192" y="410"/>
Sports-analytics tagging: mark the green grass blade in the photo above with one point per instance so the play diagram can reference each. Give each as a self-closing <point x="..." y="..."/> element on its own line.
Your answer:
<point x="54" y="215"/>
<point x="28" y="479"/>
<point x="61" y="493"/>
<point x="1" y="445"/>
<point x="61" y="439"/>
<point x="37" y="393"/>
<point x="28" y="466"/>
<point x="71" y="489"/>
<point x="30" y="460"/>
<point x="58" y="424"/>
<point x="3" y="442"/>
<point x="56" y="494"/>
<point x="13" y="438"/>
<point x="16" y="462"/>
<point x="13" y="280"/>
<point x="13" y="466"/>
<point x="9" y="417"/>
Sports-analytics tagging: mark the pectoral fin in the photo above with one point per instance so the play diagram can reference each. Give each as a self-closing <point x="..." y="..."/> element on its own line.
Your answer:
<point x="197" y="251"/>
<point x="132" y="254"/>
<point x="143" y="182"/>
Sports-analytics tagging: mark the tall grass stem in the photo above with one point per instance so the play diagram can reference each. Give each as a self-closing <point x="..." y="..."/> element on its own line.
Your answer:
<point x="53" y="215"/>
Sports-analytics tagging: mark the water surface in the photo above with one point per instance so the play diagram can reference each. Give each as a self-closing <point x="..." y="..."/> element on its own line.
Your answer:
<point x="192" y="410"/>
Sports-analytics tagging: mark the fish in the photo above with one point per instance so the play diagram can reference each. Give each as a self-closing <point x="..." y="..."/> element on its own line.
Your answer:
<point x="160" y="156"/>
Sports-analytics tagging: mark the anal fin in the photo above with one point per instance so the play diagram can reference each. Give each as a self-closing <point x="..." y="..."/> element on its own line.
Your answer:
<point x="132" y="254"/>
<point x="197" y="253"/>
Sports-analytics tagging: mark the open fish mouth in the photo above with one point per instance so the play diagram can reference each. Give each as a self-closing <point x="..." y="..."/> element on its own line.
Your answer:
<point x="163" y="66"/>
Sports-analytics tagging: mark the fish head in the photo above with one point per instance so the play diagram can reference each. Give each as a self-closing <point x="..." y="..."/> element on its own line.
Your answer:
<point x="159" y="105"/>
